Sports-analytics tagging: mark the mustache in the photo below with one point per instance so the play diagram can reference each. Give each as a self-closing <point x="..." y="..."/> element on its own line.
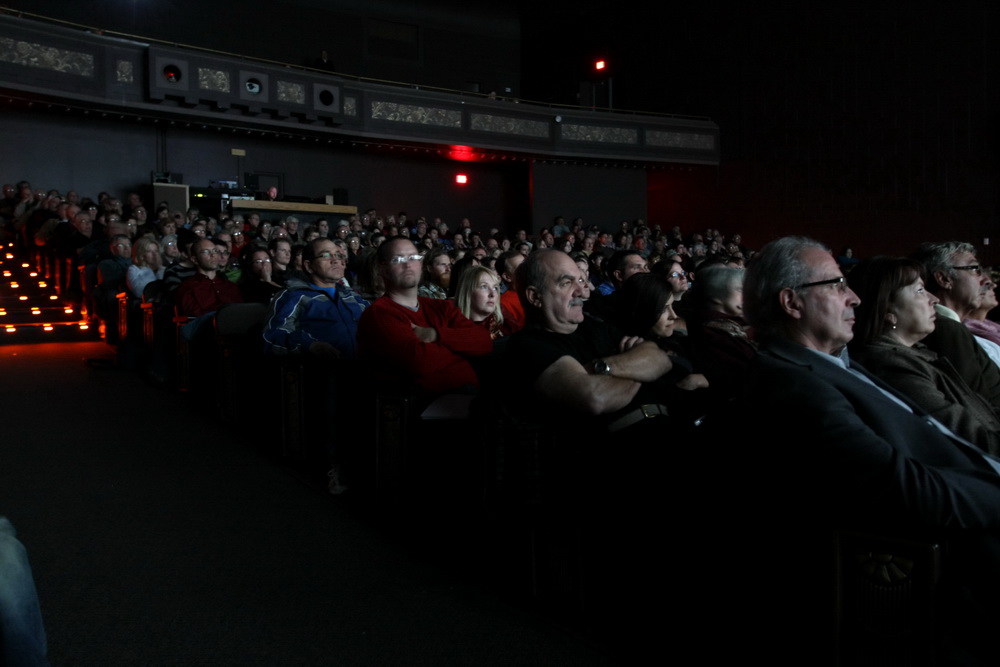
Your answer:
<point x="576" y="302"/>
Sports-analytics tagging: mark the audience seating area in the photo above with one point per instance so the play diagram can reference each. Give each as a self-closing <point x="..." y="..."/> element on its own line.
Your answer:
<point x="543" y="520"/>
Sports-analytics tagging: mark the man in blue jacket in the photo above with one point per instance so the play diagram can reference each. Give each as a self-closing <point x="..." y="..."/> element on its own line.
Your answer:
<point x="319" y="316"/>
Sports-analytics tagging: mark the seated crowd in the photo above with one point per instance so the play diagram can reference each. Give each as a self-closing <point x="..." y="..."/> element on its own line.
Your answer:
<point x="885" y="382"/>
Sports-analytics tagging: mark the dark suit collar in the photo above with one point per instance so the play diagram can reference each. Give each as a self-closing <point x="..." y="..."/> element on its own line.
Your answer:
<point x="799" y="355"/>
<point x="791" y="352"/>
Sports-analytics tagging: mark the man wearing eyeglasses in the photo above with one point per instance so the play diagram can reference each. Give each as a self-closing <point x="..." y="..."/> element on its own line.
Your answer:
<point x="425" y="344"/>
<point x="837" y="449"/>
<point x="111" y="272"/>
<point x="956" y="279"/>
<point x="319" y="316"/>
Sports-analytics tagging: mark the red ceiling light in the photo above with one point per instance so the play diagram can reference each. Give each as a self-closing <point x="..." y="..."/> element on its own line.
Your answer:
<point x="461" y="179"/>
<point x="600" y="64"/>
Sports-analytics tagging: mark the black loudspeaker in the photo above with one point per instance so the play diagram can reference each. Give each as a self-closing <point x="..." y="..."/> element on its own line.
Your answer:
<point x="326" y="99"/>
<point x="176" y="196"/>
<point x="169" y="75"/>
<point x="254" y="89"/>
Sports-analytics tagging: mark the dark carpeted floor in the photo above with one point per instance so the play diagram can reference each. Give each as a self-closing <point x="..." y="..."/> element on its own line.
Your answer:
<point x="158" y="537"/>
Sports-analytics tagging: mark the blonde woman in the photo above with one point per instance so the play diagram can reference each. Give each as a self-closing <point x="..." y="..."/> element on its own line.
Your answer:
<point x="478" y="297"/>
<point x="147" y="265"/>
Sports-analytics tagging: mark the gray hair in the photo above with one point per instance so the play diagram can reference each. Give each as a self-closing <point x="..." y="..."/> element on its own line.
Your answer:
<point x="936" y="258"/>
<point x="532" y="272"/>
<point x="714" y="283"/>
<point x="777" y="266"/>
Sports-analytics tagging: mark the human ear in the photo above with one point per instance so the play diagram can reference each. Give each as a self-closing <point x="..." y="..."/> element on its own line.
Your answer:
<point x="790" y="303"/>
<point x="534" y="298"/>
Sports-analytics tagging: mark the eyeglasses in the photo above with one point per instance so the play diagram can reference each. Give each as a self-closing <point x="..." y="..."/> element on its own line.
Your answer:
<point x="339" y="256"/>
<point x="676" y="274"/>
<point x="262" y="261"/>
<point x="403" y="259"/>
<point x="974" y="268"/>
<point x="838" y="283"/>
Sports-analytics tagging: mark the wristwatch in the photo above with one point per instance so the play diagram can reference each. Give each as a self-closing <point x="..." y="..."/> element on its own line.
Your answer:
<point x="601" y="367"/>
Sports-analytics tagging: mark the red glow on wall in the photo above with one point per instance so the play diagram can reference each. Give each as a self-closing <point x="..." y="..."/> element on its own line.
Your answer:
<point x="463" y="154"/>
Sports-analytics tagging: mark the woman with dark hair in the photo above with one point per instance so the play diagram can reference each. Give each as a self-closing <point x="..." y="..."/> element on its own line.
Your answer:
<point x="644" y="308"/>
<point x="895" y="314"/>
<point x="323" y="227"/>
<point x="353" y="256"/>
<point x="256" y="284"/>
<point x="436" y="276"/>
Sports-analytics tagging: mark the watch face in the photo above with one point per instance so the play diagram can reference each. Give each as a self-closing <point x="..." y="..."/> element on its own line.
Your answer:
<point x="601" y="367"/>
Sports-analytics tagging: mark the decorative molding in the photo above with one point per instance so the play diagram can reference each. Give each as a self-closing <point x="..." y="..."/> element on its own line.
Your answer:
<point x="289" y="91"/>
<point x="600" y="134"/>
<point x="85" y="70"/>
<point x="213" y="79"/>
<point x="485" y="122"/>
<point x="703" y="142"/>
<point x="124" y="71"/>
<point x="419" y="115"/>
<point x="30" y="54"/>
